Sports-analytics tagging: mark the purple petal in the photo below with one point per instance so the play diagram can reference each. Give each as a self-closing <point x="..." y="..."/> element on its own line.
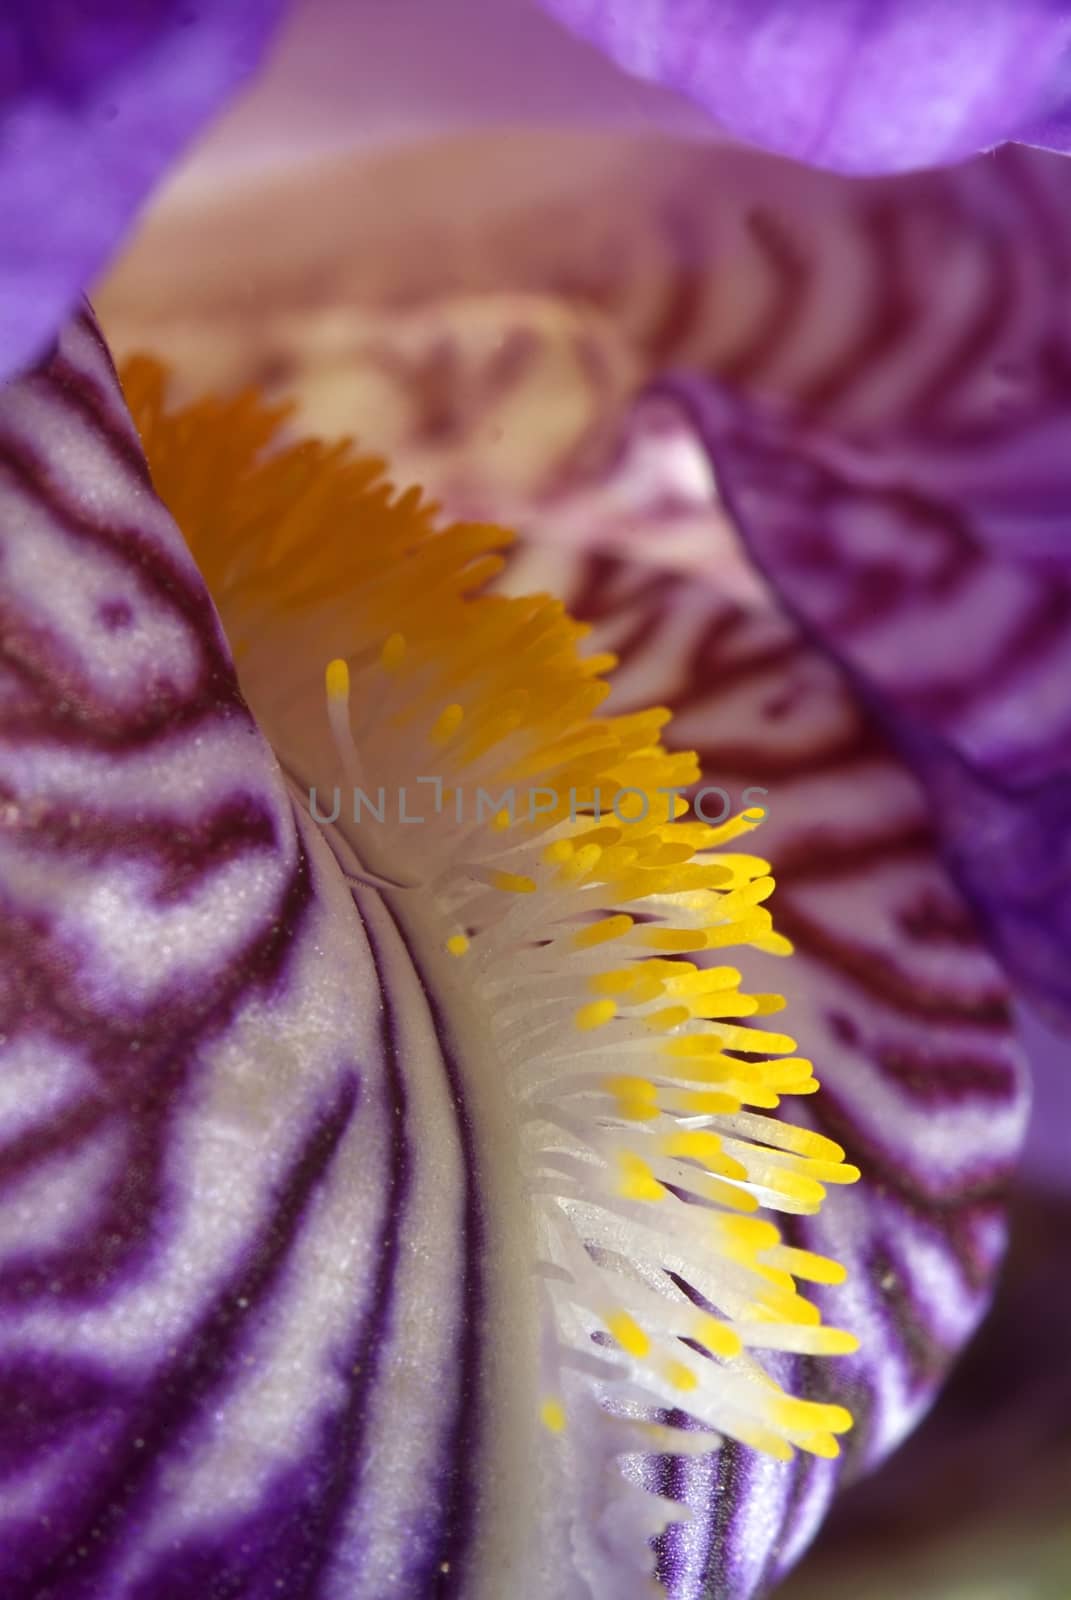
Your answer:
<point x="910" y="504"/>
<point x="263" y="1295"/>
<point x="854" y="86"/>
<point x="1045" y="1163"/>
<point x="925" y="1078"/>
<point x="215" y="1237"/>
<point x="912" y="331"/>
<point x="905" y="1013"/>
<point x="1007" y="1401"/>
<point x="96" y="101"/>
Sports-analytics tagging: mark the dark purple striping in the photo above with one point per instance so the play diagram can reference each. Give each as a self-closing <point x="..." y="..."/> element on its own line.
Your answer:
<point x="732" y="1468"/>
<point x="882" y="223"/>
<point x="928" y="1359"/>
<point x="138" y="1068"/>
<point x="983" y="1180"/>
<point x="43" y="1396"/>
<point x="874" y="971"/>
<point x="939" y="1078"/>
<point x="144" y="1060"/>
<point x="82" y="393"/>
<point x="1044" y="627"/>
<point x="46" y="666"/>
<point x="289" y="1539"/>
<point x="893" y="310"/>
<point x="68" y="1560"/>
<point x="600" y="569"/>
<point x="989" y="320"/>
<point x="757" y="762"/>
<point x="919" y="1016"/>
<point x="668" y="1475"/>
<point x="443" y="1571"/>
<point x="183" y="852"/>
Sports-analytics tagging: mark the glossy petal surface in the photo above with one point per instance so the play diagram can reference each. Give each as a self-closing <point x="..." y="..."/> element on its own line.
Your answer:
<point x="849" y="84"/>
<point x="96" y="102"/>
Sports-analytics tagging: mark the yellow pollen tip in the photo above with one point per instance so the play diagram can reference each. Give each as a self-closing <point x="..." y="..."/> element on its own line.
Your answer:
<point x="642" y="1088"/>
<point x="457" y="944"/>
<point x="552" y="1415"/>
<point x="693" y="1145"/>
<point x="626" y="1331"/>
<point x="601" y="932"/>
<point x="676" y="941"/>
<point x="680" y="1376"/>
<point x="337" y="680"/>
<point x="832" y="1342"/>
<point x="809" y="1416"/>
<point x="718" y="1337"/>
<point x="821" y="1444"/>
<point x="637" y="1181"/>
<point x="595" y="1015"/>
<point x="447" y="724"/>
<point x="512" y="883"/>
<point x="668" y="1018"/>
<point x="619" y="982"/>
<point x="806" y="1264"/>
<point x="393" y="653"/>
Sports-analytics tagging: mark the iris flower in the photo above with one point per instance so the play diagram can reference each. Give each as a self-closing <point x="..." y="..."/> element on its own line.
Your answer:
<point x="428" y="1208"/>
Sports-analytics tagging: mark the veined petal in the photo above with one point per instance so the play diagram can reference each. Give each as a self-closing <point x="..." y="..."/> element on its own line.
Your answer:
<point x="367" y="1229"/>
<point x="203" y="1155"/>
<point x="916" y="1044"/>
<point x="921" y="1072"/>
<point x="926" y="546"/>
<point x="96" y="102"/>
<point x="1005" y="1402"/>
<point x="965" y="655"/>
<point x="850" y="85"/>
<point x="460" y="387"/>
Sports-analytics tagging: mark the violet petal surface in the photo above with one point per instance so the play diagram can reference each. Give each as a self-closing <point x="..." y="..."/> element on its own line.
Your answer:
<point x="96" y="102"/>
<point x="852" y="85"/>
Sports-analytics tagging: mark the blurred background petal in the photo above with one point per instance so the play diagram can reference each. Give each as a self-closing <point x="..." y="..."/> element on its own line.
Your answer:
<point x="854" y="85"/>
<point x="974" y="1507"/>
<point x="97" y="100"/>
<point x="371" y="73"/>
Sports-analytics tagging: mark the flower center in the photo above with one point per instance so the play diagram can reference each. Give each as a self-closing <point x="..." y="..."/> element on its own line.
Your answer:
<point x="568" y="915"/>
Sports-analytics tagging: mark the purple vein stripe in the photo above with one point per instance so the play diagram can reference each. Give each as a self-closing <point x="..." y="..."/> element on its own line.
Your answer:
<point x="190" y="1021"/>
<point x="76" y="1556"/>
<point x="442" y="1573"/>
